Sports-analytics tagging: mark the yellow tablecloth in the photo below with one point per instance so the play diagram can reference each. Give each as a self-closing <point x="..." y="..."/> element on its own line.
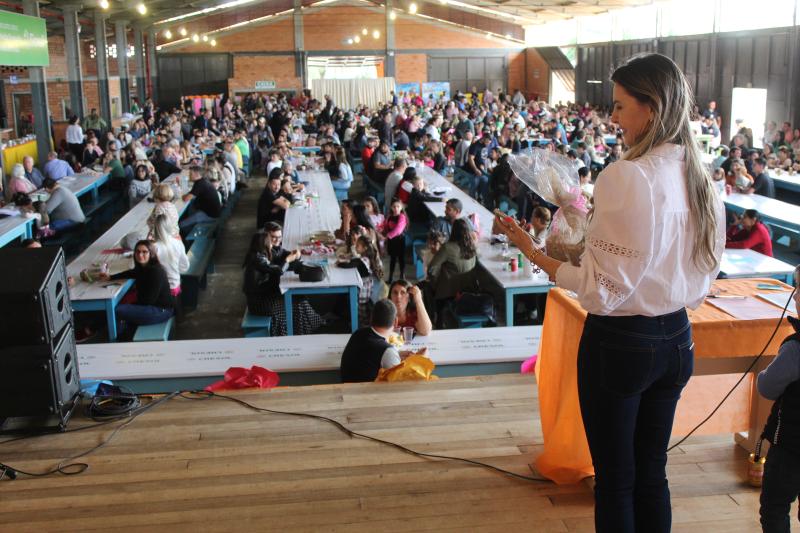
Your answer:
<point x="566" y="457"/>
<point x="15" y="154"/>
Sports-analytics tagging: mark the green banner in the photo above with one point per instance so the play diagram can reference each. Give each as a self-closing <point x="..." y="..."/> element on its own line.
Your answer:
<point x="23" y="41"/>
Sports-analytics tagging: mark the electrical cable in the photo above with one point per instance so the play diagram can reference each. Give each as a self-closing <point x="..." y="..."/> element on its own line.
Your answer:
<point x="743" y="376"/>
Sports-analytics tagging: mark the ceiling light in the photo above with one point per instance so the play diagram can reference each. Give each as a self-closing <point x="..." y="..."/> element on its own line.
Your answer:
<point x="195" y="37"/>
<point x="349" y="41"/>
<point x="104" y="4"/>
<point x="412" y="8"/>
<point x="182" y="31"/>
<point x="141" y="8"/>
<point x="392" y="15"/>
<point x="508" y="36"/>
<point x="205" y="38"/>
<point x="213" y="42"/>
<point x="357" y="39"/>
<point x="364" y="31"/>
<point x="443" y="2"/>
<point x="376" y="34"/>
<point x="168" y="34"/>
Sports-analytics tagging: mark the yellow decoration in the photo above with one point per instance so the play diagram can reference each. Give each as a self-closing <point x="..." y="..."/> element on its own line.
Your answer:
<point x="414" y="368"/>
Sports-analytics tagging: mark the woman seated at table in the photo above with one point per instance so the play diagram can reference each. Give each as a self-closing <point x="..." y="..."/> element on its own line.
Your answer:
<point x="370" y="268"/>
<point x="154" y="301"/>
<point x="362" y="218"/>
<point x="748" y="232"/>
<point x="171" y="252"/>
<point x="18" y="183"/>
<point x="91" y="153"/>
<point x="411" y="312"/>
<point x="451" y="268"/>
<point x="162" y="196"/>
<point x="263" y="267"/>
<point x="273" y="203"/>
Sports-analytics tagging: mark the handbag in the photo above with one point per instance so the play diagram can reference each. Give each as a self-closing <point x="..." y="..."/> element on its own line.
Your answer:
<point x="311" y="272"/>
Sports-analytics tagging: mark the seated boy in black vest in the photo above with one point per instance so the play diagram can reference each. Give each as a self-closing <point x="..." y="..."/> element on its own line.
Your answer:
<point x="368" y="349"/>
<point x="780" y="381"/>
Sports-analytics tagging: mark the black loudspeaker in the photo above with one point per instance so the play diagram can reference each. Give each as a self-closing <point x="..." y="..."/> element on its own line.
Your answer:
<point x="38" y="361"/>
<point x="34" y="296"/>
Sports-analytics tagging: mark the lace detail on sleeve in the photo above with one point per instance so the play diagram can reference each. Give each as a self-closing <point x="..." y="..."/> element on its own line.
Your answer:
<point x="609" y="285"/>
<point x="613" y="248"/>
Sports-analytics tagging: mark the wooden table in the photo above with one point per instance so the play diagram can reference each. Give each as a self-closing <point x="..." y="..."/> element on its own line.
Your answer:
<point x="489" y="256"/>
<point x="724" y="348"/>
<point x="106" y="296"/>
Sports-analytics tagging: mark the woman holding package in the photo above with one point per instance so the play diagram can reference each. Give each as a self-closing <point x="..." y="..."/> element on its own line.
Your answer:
<point x="653" y="246"/>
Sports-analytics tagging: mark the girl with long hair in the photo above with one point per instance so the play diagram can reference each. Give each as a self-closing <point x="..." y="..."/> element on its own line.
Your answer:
<point x="653" y="247"/>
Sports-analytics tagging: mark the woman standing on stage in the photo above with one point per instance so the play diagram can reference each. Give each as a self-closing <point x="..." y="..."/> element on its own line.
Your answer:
<point x="653" y="246"/>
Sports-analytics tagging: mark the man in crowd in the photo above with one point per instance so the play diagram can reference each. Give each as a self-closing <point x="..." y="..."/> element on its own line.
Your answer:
<point x="31" y="172"/>
<point x="452" y="212"/>
<point x="63" y="207"/>
<point x="207" y="205"/>
<point x="56" y="168"/>
<point x="368" y="349"/>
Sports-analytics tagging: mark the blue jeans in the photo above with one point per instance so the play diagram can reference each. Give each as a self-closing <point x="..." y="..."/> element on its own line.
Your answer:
<point x="188" y="222"/>
<point x="143" y="315"/>
<point x="60" y="226"/>
<point x="780" y="488"/>
<point x="631" y="371"/>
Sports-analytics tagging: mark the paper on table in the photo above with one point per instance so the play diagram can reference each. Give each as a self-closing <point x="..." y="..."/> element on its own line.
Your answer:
<point x="780" y="299"/>
<point x="746" y="308"/>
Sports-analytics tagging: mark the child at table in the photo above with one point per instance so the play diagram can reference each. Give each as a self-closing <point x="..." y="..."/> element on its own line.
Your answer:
<point x="780" y="381"/>
<point x="370" y="268"/>
<point x="395" y="231"/>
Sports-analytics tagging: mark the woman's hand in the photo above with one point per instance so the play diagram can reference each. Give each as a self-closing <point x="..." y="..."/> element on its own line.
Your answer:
<point x="515" y="233"/>
<point x="103" y="276"/>
<point x="294" y="256"/>
<point x="415" y="293"/>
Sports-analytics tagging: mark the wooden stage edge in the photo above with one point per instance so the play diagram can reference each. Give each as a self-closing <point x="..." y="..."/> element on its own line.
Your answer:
<point x="212" y="465"/>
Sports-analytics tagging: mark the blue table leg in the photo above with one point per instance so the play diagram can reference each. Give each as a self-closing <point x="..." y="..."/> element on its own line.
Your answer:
<point x="287" y="304"/>
<point x="29" y="229"/>
<point x="353" y="309"/>
<point x="95" y="193"/>
<point x="509" y="307"/>
<point x="111" y="319"/>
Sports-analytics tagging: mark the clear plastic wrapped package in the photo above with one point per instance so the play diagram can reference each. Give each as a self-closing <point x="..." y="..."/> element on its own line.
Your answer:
<point x="555" y="178"/>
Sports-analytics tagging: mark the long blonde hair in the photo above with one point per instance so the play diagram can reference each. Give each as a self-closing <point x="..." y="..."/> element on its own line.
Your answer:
<point x="655" y="80"/>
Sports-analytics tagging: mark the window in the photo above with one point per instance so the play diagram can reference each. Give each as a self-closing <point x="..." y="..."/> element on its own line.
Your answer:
<point x="635" y="23"/>
<point x="674" y="21"/>
<point x="737" y="15"/>
<point x="595" y="29"/>
<point x="562" y="32"/>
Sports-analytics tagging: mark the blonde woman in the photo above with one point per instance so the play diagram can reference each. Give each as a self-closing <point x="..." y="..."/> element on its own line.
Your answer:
<point x="162" y="196"/>
<point x="18" y="183"/>
<point x="653" y="246"/>
<point x="171" y="252"/>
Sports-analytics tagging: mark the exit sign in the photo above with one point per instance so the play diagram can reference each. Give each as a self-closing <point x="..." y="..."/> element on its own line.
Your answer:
<point x="265" y="84"/>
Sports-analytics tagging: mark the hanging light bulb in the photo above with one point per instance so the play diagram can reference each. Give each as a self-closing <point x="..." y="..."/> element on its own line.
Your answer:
<point x="182" y="31"/>
<point x="349" y="41"/>
<point x="364" y="31"/>
<point x="195" y="37"/>
<point x="205" y="38"/>
<point x="376" y="34"/>
<point x="392" y="15"/>
<point x="104" y="4"/>
<point x="412" y="8"/>
<point x="168" y="34"/>
<point x="213" y="42"/>
<point x="357" y="39"/>
<point x="508" y="36"/>
<point x="141" y="8"/>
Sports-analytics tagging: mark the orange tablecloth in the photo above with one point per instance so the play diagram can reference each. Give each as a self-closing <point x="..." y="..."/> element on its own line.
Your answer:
<point x="566" y="457"/>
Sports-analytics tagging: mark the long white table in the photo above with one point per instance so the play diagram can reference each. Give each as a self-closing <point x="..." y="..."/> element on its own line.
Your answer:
<point x="300" y="223"/>
<point x="489" y="256"/>
<point x="306" y="353"/>
<point x="751" y="264"/>
<point x="105" y="296"/>
<point x="15" y="227"/>
<point x="774" y="212"/>
<point x="784" y="180"/>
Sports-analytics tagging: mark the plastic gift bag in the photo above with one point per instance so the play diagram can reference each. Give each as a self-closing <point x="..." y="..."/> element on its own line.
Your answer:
<point x="255" y="377"/>
<point x="413" y="368"/>
<point x="555" y="178"/>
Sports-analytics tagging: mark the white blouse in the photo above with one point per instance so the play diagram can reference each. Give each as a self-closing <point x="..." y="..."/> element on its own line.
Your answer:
<point x="638" y="257"/>
<point x="74" y="134"/>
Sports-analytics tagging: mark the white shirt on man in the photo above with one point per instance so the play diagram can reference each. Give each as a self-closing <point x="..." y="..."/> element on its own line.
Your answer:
<point x="638" y="257"/>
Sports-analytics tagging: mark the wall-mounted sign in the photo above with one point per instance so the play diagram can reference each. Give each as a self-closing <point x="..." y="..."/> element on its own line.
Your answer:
<point x="265" y="85"/>
<point x="13" y="80"/>
<point x="23" y="41"/>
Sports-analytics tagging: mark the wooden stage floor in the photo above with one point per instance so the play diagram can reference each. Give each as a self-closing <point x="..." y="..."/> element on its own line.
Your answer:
<point x="212" y="465"/>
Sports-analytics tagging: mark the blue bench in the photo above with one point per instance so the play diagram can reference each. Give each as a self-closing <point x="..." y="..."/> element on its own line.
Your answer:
<point x="155" y="332"/>
<point x="203" y="230"/>
<point x="471" y="321"/>
<point x="256" y="325"/>
<point x="462" y="178"/>
<point x="374" y="189"/>
<point x="200" y="264"/>
<point x="416" y="257"/>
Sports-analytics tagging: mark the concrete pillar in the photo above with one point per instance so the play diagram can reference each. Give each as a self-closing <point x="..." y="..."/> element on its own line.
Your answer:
<point x="41" y="111"/>
<point x="121" y="34"/>
<point x="299" y="56"/>
<point x="72" y="46"/>
<point x="138" y="55"/>
<point x="103" y="93"/>
<point x="389" y="68"/>
<point x="152" y="64"/>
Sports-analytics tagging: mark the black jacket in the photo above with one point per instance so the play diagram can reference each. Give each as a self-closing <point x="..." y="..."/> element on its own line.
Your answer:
<point x="783" y="424"/>
<point x="361" y="359"/>
<point x="262" y="276"/>
<point x="152" y="285"/>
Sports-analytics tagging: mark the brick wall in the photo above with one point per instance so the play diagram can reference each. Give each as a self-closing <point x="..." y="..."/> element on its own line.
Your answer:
<point x="537" y="79"/>
<point x="416" y="34"/>
<point x="274" y="36"/>
<point x="411" y="67"/>
<point x="249" y="69"/>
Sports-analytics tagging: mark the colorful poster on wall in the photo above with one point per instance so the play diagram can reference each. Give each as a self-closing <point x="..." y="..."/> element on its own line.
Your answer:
<point x="23" y="41"/>
<point x="406" y="88"/>
<point x="439" y="89"/>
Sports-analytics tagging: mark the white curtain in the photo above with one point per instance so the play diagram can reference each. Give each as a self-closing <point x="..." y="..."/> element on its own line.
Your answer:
<point x="349" y="94"/>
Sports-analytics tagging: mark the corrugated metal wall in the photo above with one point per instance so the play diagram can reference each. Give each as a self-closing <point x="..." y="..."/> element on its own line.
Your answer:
<point x="713" y="64"/>
<point x="189" y="74"/>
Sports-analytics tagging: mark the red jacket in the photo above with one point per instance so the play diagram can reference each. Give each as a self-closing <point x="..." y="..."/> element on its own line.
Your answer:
<point x="755" y="239"/>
